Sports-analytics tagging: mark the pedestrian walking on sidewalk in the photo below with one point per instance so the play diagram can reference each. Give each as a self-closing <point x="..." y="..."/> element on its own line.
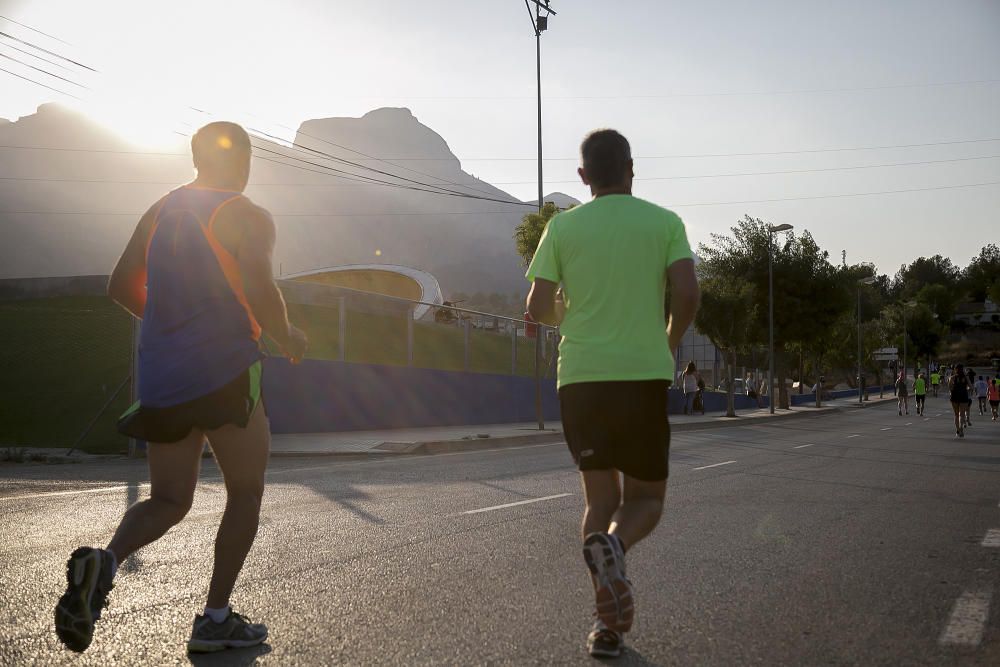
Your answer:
<point x="959" y="392"/>
<point x="920" y="393"/>
<point x="614" y="257"/>
<point x="689" y="384"/>
<point x="198" y="272"/>
<point x="902" y="394"/>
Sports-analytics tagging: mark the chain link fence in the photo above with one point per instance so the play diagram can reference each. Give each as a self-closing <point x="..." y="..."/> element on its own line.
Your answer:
<point x="67" y="360"/>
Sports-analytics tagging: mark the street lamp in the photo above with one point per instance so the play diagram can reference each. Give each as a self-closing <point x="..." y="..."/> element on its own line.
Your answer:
<point x="539" y="24"/>
<point x="908" y="304"/>
<point x="861" y="389"/>
<point x="771" y="229"/>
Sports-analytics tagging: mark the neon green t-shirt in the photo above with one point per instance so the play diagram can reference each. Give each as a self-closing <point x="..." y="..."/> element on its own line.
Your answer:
<point x="935" y="378"/>
<point x="919" y="386"/>
<point x="611" y="255"/>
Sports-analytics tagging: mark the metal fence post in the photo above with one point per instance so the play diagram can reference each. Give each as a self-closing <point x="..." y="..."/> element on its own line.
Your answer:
<point x="513" y="347"/>
<point x="342" y="326"/>
<point x="468" y="334"/>
<point x="409" y="336"/>
<point x="539" y="332"/>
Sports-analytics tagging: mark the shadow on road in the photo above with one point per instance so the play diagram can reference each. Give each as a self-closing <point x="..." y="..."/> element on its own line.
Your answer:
<point x="235" y="657"/>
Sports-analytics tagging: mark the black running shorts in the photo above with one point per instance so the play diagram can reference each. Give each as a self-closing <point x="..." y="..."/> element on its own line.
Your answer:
<point x="232" y="404"/>
<point x="618" y="425"/>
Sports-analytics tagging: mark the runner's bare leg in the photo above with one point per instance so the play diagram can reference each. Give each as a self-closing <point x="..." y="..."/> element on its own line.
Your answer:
<point x="640" y="510"/>
<point x="173" y="476"/>
<point x="242" y="456"/>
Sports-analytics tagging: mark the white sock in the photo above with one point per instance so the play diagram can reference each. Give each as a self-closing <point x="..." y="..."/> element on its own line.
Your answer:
<point x="217" y="615"/>
<point x="114" y="562"/>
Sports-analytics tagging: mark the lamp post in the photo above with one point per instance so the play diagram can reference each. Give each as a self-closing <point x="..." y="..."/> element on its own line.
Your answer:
<point x="771" y="229"/>
<point x="861" y="389"/>
<point x="539" y="24"/>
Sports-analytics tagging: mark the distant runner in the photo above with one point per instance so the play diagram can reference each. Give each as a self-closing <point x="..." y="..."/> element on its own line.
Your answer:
<point x="920" y="393"/>
<point x="614" y="256"/>
<point x="982" y="392"/>
<point x="959" y="395"/>
<point x="993" y="393"/>
<point x="935" y="382"/>
<point x="902" y="394"/>
<point x="971" y="374"/>
<point x="197" y="271"/>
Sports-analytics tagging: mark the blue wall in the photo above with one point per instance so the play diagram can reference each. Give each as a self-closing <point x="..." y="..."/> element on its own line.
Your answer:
<point x="328" y="396"/>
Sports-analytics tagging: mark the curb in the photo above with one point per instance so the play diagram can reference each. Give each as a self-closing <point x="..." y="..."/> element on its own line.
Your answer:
<point x="429" y="448"/>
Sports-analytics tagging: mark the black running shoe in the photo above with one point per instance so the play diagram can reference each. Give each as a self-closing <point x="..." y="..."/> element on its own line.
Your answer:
<point x="207" y="636"/>
<point x="88" y="582"/>
<point x="603" y="642"/>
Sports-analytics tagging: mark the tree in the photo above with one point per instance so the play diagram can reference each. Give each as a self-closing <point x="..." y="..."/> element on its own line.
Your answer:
<point x="927" y="271"/>
<point x="939" y="299"/>
<point x="809" y="292"/>
<point x="983" y="273"/>
<point x="528" y="234"/>
<point x="726" y="317"/>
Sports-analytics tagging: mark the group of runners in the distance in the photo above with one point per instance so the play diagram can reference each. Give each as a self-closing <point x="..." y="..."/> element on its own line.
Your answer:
<point x="963" y="386"/>
<point x="198" y="273"/>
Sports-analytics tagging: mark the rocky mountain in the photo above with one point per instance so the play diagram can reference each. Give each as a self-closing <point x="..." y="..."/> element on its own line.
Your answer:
<point x="72" y="192"/>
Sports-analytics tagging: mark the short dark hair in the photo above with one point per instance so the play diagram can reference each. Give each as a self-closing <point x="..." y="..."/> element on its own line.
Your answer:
<point x="219" y="145"/>
<point x="606" y="157"/>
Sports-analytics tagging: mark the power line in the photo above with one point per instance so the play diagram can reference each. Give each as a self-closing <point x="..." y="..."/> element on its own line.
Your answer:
<point x="33" y="55"/>
<point x="46" y="51"/>
<point x="838" y="196"/>
<point x="783" y="172"/>
<point x="10" y="20"/>
<point x="413" y="213"/>
<point x="360" y="180"/>
<point x="39" y="83"/>
<point x="43" y="71"/>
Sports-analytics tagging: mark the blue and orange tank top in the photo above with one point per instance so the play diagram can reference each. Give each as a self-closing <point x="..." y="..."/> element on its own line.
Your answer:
<point x="198" y="332"/>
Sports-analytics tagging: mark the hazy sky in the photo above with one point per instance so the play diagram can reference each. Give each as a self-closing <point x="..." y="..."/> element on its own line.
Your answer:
<point x="677" y="78"/>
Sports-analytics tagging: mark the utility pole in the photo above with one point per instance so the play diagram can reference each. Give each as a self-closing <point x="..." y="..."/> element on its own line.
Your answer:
<point x="539" y="24"/>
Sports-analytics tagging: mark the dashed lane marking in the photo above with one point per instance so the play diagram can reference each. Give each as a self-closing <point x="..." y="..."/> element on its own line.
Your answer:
<point x="992" y="538"/>
<point x="519" y="502"/>
<point x="854" y="435"/>
<point x="909" y="423"/>
<point x="801" y="446"/>
<point x="968" y="619"/>
<point x="887" y="428"/>
<point x="714" y="465"/>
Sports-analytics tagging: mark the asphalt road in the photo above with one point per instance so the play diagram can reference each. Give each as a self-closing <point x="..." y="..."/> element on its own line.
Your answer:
<point x="855" y="538"/>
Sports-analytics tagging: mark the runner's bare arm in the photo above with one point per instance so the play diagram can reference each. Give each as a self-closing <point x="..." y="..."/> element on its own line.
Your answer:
<point x="127" y="285"/>
<point x="684" y="297"/>
<point x="545" y="303"/>
<point x="254" y="255"/>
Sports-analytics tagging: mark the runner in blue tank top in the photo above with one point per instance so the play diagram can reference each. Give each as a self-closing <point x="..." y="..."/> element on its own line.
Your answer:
<point x="197" y="271"/>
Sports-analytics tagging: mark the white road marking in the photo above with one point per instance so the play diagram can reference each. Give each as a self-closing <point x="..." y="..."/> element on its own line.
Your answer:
<point x="801" y="446"/>
<point x="887" y="428"/>
<point x="927" y="419"/>
<point x="520" y="502"/>
<point x="968" y="619"/>
<point x="909" y="423"/>
<point x="854" y="435"/>
<point x="992" y="538"/>
<point x="714" y="465"/>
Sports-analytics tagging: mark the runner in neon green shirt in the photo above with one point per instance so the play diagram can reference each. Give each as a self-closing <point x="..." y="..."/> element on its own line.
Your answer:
<point x="613" y="257"/>
<point x="920" y="392"/>
<point x="935" y="381"/>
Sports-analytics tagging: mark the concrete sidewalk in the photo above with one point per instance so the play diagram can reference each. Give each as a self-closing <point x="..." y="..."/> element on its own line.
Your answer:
<point x="440" y="439"/>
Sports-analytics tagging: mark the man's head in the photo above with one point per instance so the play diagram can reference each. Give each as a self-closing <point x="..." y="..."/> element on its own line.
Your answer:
<point x="606" y="160"/>
<point x="221" y="152"/>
